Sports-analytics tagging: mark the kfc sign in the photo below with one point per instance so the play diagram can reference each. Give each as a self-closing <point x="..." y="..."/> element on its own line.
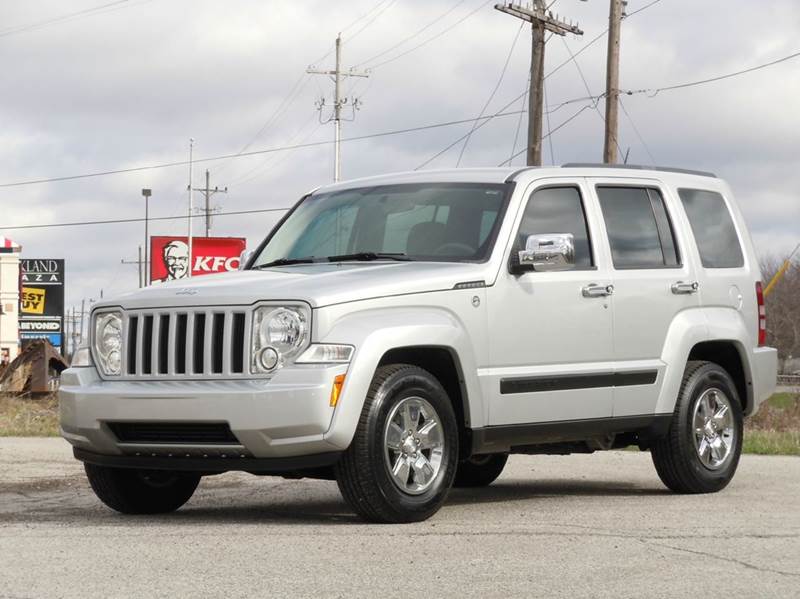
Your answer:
<point x="169" y="256"/>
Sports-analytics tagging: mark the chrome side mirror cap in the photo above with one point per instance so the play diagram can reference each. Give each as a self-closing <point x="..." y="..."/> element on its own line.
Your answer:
<point x="244" y="258"/>
<point x="550" y="252"/>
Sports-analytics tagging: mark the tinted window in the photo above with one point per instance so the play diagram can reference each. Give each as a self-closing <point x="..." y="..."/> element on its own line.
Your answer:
<point x="713" y="229"/>
<point x="638" y="228"/>
<point x="557" y="210"/>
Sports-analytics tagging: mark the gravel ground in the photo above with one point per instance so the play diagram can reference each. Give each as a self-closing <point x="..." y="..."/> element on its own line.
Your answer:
<point x="575" y="526"/>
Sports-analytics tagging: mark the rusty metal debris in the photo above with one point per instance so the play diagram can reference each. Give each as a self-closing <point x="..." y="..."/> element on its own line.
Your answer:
<point x="35" y="370"/>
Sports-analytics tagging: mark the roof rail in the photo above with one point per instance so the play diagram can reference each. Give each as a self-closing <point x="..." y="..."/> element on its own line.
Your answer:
<point x="639" y="167"/>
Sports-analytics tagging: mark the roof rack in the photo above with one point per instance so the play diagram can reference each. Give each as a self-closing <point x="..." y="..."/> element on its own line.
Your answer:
<point x="639" y="167"/>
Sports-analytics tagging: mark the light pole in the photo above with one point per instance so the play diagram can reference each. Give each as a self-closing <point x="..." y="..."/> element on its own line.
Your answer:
<point x="146" y="193"/>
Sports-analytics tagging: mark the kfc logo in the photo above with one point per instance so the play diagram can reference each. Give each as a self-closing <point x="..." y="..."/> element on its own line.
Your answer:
<point x="210" y="255"/>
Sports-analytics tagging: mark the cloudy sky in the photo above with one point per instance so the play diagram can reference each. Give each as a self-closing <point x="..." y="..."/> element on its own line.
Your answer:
<point x="127" y="85"/>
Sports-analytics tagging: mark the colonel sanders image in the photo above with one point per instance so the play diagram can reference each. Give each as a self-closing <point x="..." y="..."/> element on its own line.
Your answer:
<point x="175" y="256"/>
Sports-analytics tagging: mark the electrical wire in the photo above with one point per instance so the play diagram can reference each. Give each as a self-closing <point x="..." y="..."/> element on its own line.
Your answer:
<point x="645" y="7"/>
<point x="258" y="152"/>
<point x="118" y="221"/>
<point x="413" y="35"/>
<point x="372" y="20"/>
<point x="66" y="17"/>
<point x="564" y="124"/>
<point x="430" y="39"/>
<point x="494" y="91"/>
<point x="519" y="121"/>
<point x="547" y="118"/>
<point x="652" y="92"/>
<point x="636" y="130"/>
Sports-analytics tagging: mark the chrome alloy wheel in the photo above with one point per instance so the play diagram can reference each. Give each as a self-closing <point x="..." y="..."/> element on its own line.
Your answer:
<point x="413" y="445"/>
<point x="714" y="428"/>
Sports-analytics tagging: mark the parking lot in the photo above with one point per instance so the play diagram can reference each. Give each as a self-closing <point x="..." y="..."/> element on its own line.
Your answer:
<point x="574" y="526"/>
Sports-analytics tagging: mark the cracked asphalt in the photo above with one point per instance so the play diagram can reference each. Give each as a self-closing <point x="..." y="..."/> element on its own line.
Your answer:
<point x="575" y="526"/>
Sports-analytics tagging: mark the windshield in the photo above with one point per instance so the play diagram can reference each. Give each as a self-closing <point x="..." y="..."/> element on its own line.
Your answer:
<point x="452" y="222"/>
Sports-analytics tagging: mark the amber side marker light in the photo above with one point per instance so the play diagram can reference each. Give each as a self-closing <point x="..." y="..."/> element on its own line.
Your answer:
<point x="336" y="390"/>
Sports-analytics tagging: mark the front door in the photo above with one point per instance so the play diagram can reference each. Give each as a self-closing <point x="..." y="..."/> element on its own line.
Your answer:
<point x="550" y="333"/>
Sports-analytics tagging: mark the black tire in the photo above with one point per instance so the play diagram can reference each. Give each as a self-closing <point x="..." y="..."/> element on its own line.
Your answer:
<point x="480" y="470"/>
<point x="363" y="474"/>
<point x="131" y="491"/>
<point x="675" y="456"/>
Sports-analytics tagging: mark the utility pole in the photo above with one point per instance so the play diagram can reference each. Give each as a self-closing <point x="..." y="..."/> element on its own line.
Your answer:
<point x="338" y="102"/>
<point x="146" y="193"/>
<point x="541" y="21"/>
<point x="139" y="262"/>
<point x="615" y="15"/>
<point x="208" y="192"/>
<point x="191" y="206"/>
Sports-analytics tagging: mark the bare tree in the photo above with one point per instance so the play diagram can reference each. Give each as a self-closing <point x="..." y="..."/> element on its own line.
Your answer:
<point x="783" y="308"/>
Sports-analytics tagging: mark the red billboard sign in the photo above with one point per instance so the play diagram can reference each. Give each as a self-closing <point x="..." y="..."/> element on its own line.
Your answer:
<point x="169" y="256"/>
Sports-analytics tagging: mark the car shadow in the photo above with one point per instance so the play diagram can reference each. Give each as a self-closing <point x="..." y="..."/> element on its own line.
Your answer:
<point x="319" y="503"/>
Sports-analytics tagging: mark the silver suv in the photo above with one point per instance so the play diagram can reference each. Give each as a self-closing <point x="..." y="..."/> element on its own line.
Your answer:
<point x="406" y="333"/>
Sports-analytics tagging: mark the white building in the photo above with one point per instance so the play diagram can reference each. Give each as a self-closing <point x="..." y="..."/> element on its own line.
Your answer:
<point x="9" y="298"/>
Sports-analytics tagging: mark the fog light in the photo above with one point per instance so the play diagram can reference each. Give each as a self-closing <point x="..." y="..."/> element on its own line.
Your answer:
<point x="268" y="358"/>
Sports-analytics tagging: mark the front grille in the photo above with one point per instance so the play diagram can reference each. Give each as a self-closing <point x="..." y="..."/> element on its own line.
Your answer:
<point x="185" y="343"/>
<point x="173" y="433"/>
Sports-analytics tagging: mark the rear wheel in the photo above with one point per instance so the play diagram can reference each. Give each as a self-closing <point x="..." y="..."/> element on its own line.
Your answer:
<point x="701" y="450"/>
<point x="132" y="491"/>
<point x="480" y="470"/>
<point x="402" y="460"/>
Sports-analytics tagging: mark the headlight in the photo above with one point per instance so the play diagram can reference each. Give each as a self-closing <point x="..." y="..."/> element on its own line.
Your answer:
<point x="279" y="334"/>
<point x="108" y="342"/>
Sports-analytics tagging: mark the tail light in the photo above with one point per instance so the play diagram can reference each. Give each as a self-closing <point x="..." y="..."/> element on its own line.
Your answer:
<point x="762" y="315"/>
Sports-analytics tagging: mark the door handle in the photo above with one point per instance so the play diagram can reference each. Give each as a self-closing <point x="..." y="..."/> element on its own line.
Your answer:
<point x="683" y="288"/>
<point x="595" y="290"/>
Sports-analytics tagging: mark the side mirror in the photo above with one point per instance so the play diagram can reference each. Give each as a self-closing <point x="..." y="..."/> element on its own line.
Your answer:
<point x="244" y="258"/>
<point x="545" y="253"/>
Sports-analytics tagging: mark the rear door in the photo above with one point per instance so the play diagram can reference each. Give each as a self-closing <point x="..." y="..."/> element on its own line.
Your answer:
<point x="654" y="279"/>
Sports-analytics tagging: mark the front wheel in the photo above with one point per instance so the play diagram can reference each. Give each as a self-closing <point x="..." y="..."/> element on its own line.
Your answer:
<point x="132" y="491"/>
<point x="701" y="450"/>
<point x="402" y="460"/>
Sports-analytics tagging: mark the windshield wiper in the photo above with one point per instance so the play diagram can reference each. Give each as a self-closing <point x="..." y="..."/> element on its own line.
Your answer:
<point x="369" y="256"/>
<point x="285" y="262"/>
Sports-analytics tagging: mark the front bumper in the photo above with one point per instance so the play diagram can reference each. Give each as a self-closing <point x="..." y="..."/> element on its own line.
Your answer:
<point x="283" y="417"/>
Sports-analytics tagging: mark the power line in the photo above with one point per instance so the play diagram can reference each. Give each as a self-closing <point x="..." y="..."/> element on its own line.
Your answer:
<point x="652" y="92"/>
<point x="638" y="134"/>
<point x="564" y="124"/>
<point x="491" y="96"/>
<point x="255" y="152"/>
<point x="52" y="21"/>
<point x="645" y="7"/>
<point x="119" y="221"/>
<point x="373" y="19"/>
<point x="413" y="35"/>
<point x="430" y="39"/>
<point x="485" y="119"/>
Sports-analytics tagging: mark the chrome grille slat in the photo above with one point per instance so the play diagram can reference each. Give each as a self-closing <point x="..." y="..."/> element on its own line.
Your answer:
<point x="223" y="335"/>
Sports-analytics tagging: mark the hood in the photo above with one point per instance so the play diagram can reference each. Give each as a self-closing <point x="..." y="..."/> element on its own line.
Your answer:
<point x="317" y="284"/>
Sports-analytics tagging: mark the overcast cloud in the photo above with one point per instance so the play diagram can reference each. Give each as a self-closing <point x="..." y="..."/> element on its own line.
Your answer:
<point x="129" y="87"/>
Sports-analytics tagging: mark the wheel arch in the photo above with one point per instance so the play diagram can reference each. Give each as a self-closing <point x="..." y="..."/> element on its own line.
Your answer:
<point x="727" y="353"/>
<point x="444" y="364"/>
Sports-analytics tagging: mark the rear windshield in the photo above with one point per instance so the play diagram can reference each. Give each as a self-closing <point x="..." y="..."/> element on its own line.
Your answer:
<point x="713" y="228"/>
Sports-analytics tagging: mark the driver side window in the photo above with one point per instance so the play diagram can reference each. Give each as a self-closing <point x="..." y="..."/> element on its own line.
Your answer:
<point x="558" y="210"/>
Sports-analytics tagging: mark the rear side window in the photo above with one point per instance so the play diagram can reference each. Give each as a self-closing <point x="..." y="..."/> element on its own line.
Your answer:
<point x="713" y="228"/>
<point x="639" y="229"/>
<point x="558" y="210"/>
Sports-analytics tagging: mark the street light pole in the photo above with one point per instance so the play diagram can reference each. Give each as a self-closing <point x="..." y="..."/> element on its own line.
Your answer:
<point x="146" y="193"/>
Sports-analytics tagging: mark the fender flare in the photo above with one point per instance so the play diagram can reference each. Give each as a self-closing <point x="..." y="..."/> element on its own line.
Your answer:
<point x="377" y="331"/>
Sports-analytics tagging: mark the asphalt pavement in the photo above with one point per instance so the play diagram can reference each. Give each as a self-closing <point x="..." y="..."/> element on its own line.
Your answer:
<point x="597" y="525"/>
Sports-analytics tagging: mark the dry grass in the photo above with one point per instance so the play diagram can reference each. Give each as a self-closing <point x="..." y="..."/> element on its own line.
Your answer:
<point x="27" y="417"/>
<point x="775" y="429"/>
